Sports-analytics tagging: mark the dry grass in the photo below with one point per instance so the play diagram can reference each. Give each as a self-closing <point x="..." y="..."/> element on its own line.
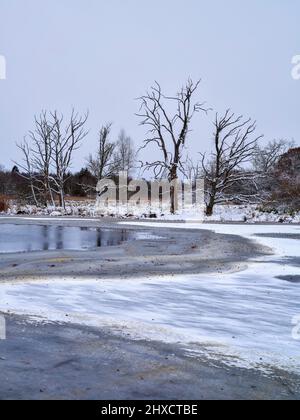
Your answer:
<point x="74" y="199"/>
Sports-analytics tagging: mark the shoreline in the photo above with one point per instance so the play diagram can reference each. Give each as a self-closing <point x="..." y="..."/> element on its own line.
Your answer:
<point x="186" y="251"/>
<point x="115" y="220"/>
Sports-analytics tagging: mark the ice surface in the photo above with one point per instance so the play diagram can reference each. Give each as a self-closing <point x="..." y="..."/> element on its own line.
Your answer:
<point x="244" y="318"/>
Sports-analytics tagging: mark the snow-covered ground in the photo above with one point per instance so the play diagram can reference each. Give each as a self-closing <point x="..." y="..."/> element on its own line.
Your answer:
<point x="222" y="213"/>
<point x="251" y="214"/>
<point x="244" y="318"/>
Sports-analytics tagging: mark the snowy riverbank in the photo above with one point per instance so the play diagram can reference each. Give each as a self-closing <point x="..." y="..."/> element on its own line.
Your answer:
<point x="222" y="213"/>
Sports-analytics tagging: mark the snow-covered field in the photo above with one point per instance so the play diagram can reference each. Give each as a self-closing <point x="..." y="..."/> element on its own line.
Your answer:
<point x="244" y="319"/>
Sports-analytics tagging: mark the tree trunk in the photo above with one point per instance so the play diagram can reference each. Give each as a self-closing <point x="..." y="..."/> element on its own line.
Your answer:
<point x="62" y="203"/>
<point x="210" y="206"/>
<point x="172" y="197"/>
<point x="51" y="194"/>
<point x="209" y="210"/>
<point x="33" y="194"/>
<point x="173" y="190"/>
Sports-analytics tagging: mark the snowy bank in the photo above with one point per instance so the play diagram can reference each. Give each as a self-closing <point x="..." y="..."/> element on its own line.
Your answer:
<point x="222" y="213"/>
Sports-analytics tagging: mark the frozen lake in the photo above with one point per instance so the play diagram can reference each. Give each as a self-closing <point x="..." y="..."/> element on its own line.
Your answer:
<point x="246" y="317"/>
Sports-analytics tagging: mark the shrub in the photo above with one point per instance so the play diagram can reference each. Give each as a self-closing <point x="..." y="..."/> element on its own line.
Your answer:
<point x="4" y="204"/>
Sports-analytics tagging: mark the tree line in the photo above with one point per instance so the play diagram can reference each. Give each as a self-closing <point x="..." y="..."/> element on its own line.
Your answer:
<point x="238" y="170"/>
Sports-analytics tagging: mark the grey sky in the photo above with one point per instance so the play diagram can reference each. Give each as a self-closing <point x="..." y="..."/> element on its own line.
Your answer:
<point x="101" y="54"/>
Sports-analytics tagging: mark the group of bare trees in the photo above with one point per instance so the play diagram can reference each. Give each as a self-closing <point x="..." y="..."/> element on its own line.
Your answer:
<point x="112" y="157"/>
<point x="234" y="143"/>
<point x="236" y="170"/>
<point x="266" y="158"/>
<point x="48" y="152"/>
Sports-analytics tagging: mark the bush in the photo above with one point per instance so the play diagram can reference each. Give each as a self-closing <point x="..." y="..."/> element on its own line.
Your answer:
<point x="4" y="204"/>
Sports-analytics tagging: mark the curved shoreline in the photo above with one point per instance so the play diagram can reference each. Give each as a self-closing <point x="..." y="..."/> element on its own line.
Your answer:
<point x="184" y="251"/>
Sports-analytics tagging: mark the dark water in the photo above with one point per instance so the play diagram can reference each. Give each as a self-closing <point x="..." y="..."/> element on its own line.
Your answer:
<point x="26" y="238"/>
<point x="290" y="279"/>
<point x="279" y="235"/>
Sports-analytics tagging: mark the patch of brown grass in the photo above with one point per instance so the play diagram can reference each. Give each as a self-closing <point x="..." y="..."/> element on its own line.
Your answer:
<point x="77" y="199"/>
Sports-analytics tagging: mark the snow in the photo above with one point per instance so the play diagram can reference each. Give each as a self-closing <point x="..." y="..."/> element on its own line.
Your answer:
<point x="251" y="214"/>
<point x="244" y="318"/>
<point x="222" y="213"/>
<point x="82" y="209"/>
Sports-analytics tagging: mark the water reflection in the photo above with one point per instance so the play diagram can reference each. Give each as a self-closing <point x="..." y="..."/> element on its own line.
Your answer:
<point x="27" y="238"/>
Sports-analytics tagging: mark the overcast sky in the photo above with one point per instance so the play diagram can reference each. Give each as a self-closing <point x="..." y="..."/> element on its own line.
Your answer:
<point x="101" y="54"/>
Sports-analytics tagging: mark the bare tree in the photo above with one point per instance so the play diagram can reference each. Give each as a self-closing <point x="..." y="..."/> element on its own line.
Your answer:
<point x="193" y="169"/>
<point x="66" y="139"/>
<point x="41" y="150"/>
<point x="102" y="164"/>
<point x="37" y="152"/>
<point x="266" y="158"/>
<point x="27" y="172"/>
<point x="234" y="147"/>
<point x="169" y="131"/>
<point x="124" y="154"/>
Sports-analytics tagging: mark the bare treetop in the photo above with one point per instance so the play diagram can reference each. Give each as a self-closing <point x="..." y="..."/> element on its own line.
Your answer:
<point x="168" y="131"/>
<point x="102" y="165"/>
<point x="266" y="158"/>
<point x="235" y="144"/>
<point x="232" y="140"/>
<point x="48" y="153"/>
